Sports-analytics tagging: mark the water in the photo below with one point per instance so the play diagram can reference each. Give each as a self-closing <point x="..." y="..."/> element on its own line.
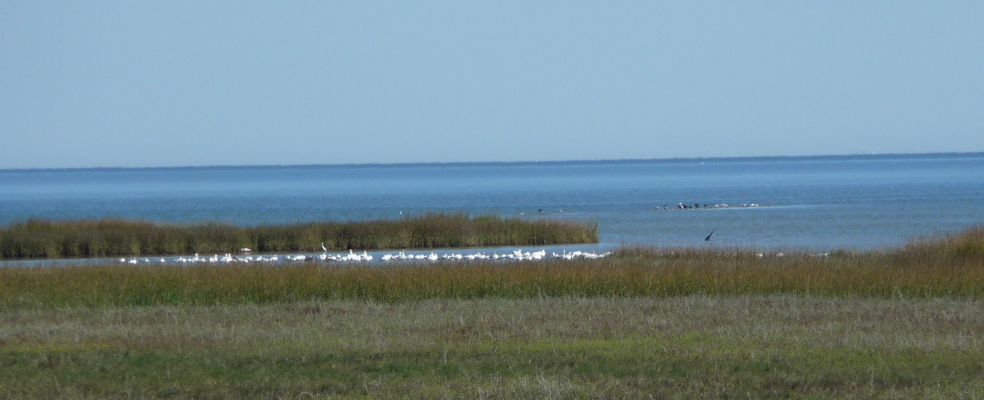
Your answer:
<point x="857" y="202"/>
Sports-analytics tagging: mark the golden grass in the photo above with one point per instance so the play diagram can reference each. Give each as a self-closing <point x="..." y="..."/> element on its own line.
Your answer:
<point x="111" y="237"/>
<point x="944" y="268"/>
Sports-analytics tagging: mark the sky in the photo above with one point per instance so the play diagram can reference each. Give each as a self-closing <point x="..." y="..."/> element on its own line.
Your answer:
<point x="190" y="83"/>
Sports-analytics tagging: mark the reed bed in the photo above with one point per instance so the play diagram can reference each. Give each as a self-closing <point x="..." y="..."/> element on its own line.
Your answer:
<point x="114" y="237"/>
<point x="925" y="269"/>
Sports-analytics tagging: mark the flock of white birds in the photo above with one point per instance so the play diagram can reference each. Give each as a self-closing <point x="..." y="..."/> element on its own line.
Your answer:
<point x="517" y="255"/>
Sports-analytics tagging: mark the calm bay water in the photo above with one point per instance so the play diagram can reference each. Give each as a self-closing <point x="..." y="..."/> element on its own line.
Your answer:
<point x="810" y="202"/>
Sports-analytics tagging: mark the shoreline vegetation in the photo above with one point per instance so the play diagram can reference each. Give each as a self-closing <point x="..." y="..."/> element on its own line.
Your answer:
<point x="642" y="323"/>
<point x="949" y="266"/>
<point x="37" y="238"/>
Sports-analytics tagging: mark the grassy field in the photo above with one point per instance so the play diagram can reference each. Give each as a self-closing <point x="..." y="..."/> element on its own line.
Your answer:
<point x="109" y="237"/>
<point x="947" y="267"/>
<point x="644" y="323"/>
<point x="562" y="347"/>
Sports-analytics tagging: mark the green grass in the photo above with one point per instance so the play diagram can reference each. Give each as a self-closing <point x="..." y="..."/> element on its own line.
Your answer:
<point x="562" y="347"/>
<point x="110" y="237"/>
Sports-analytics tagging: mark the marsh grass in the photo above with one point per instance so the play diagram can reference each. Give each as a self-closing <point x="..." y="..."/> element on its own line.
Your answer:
<point x="554" y="348"/>
<point x="645" y="323"/>
<point x="921" y="270"/>
<point x="113" y="237"/>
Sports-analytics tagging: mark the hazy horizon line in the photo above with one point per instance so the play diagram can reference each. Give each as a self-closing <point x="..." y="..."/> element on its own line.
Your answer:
<point x="495" y="163"/>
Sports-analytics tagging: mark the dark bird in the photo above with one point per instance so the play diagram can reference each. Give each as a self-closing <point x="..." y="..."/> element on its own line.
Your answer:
<point x="708" y="238"/>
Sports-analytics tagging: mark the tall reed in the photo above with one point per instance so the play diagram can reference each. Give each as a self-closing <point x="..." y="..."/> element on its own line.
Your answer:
<point x="113" y="237"/>
<point x="938" y="269"/>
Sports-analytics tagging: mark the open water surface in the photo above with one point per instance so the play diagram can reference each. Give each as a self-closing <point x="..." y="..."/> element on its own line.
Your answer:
<point x="814" y="203"/>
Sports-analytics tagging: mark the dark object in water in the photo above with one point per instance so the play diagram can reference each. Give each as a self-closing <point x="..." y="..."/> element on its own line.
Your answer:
<point x="708" y="238"/>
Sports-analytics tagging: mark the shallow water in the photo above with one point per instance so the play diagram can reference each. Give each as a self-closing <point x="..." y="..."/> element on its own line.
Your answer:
<point x="377" y="259"/>
<point x="855" y="202"/>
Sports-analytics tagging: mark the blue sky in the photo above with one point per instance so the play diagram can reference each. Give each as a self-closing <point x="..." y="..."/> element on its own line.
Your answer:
<point x="149" y="84"/>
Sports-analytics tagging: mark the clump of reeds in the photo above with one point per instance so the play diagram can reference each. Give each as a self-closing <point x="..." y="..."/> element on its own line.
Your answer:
<point x="966" y="244"/>
<point x="114" y="237"/>
<point x="630" y="272"/>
